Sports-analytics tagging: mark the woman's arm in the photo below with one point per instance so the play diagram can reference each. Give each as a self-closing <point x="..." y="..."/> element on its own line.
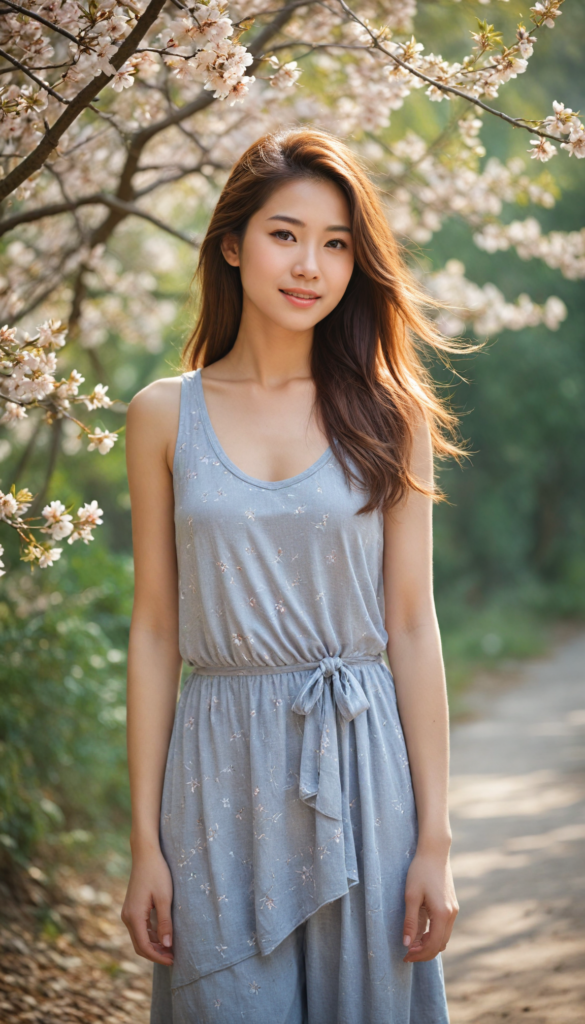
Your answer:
<point x="414" y="653"/>
<point x="154" y="663"/>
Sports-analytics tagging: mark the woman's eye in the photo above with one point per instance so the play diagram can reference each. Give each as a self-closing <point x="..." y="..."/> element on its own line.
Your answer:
<point x="336" y="243"/>
<point x="286" y="236"/>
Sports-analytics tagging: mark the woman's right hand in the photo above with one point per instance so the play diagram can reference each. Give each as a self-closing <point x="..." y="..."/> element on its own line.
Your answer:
<point x="150" y="887"/>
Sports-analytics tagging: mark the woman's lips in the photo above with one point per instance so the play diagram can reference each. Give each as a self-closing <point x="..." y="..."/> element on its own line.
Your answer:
<point x="300" y="298"/>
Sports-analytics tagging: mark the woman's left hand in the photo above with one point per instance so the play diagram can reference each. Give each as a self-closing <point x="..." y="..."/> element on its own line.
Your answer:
<point x="430" y="896"/>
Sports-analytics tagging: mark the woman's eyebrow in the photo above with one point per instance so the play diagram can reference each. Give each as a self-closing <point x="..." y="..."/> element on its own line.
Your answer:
<point x="289" y="220"/>
<point x="301" y="223"/>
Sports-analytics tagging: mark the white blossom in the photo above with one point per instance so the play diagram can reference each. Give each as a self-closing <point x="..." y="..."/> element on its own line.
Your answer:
<point x="83" y="533"/>
<point x="102" y="440"/>
<point x="8" y="506"/>
<point x="554" y="313"/>
<point x="485" y="308"/>
<point x="58" y="522"/>
<point x="90" y="514"/>
<point x="7" y="335"/>
<point x="49" y="556"/>
<point x="88" y="517"/>
<point x="123" y="79"/>
<point x="525" y="42"/>
<point x="98" y="398"/>
<point x="13" y="413"/>
<point x="27" y="382"/>
<point x="562" y="122"/>
<point x="547" y="9"/>
<point x="543" y="150"/>
<point x="576" y="144"/>
<point x="560" y="249"/>
<point x="507" y="66"/>
<point x="286" y="76"/>
<point x="52" y="334"/>
<point x="211" y="26"/>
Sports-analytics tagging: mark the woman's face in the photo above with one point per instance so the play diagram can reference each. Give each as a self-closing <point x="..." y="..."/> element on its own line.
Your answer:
<point x="296" y="255"/>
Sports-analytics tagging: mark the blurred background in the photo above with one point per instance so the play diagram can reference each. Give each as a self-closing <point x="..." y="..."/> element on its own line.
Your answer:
<point x="509" y="542"/>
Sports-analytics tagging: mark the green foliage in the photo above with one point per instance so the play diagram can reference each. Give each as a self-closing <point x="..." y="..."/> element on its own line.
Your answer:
<point x="517" y="516"/>
<point x="486" y="38"/>
<point x="510" y="546"/>
<point x="62" y="709"/>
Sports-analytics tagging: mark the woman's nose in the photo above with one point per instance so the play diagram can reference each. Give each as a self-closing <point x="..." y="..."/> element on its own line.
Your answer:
<point x="306" y="265"/>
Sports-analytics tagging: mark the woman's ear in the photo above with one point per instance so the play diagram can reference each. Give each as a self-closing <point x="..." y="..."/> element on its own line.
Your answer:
<point x="230" y="248"/>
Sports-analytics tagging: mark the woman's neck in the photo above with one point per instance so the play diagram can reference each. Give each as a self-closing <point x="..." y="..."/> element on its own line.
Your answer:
<point x="266" y="352"/>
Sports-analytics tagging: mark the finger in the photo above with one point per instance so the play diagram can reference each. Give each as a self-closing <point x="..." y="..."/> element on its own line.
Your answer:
<point x="423" y="922"/>
<point x="164" y="923"/>
<point x="435" y="940"/>
<point x="432" y="942"/>
<point x="153" y="939"/>
<point x="144" y="947"/>
<point x="413" y="901"/>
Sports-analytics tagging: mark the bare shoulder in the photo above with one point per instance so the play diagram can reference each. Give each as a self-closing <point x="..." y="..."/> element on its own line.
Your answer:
<point x="161" y="398"/>
<point x="153" y="415"/>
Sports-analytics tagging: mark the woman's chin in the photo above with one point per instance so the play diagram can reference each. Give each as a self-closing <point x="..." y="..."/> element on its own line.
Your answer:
<point x="294" y="318"/>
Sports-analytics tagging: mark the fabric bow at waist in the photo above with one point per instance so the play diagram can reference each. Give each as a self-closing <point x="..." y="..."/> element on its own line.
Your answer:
<point x="331" y="686"/>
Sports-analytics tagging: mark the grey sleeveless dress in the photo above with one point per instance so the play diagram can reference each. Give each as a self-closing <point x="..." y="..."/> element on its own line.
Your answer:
<point x="287" y="785"/>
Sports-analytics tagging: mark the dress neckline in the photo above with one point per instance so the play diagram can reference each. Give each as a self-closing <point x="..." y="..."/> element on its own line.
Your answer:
<point x="231" y="466"/>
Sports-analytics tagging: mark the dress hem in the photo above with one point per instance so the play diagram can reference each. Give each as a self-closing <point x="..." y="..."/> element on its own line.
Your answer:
<point x="259" y="952"/>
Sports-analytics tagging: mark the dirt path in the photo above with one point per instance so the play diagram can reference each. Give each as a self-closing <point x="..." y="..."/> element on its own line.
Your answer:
<point x="518" y="815"/>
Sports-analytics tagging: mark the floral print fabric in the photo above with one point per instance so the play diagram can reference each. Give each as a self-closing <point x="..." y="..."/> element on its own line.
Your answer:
<point x="271" y="573"/>
<point x="287" y="782"/>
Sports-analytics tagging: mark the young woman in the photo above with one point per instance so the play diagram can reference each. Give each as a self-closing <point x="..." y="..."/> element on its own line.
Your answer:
<point x="290" y="829"/>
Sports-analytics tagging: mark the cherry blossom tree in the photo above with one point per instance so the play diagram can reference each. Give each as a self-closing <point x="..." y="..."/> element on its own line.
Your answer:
<point x="119" y="116"/>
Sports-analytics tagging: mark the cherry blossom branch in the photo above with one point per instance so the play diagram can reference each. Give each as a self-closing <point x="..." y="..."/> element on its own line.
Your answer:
<point x="39" y="17"/>
<point x="27" y="380"/>
<point x="38" y="67"/>
<point x="125" y="190"/>
<point x="183" y="172"/>
<point x="66" y="198"/>
<point x="26" y="71"/>
<point x="128" y="209"/>
<point x="91" y="137"/>
<point x="58" y="524"/>
<point x="138" y="142"/>
<point x="515" y="122"/>
<point x="54" y="209"/>
<point x="50" y="140"/>
<point x="314" y="47"/>
<point x="203" y="100"/>
<point x="71" y="260"/>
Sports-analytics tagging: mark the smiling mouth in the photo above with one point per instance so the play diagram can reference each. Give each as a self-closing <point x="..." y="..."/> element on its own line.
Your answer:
<point x="300" y="297"/>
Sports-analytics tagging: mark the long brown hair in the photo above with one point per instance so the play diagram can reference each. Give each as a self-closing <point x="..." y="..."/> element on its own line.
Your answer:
<point x="371" y="383"/>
